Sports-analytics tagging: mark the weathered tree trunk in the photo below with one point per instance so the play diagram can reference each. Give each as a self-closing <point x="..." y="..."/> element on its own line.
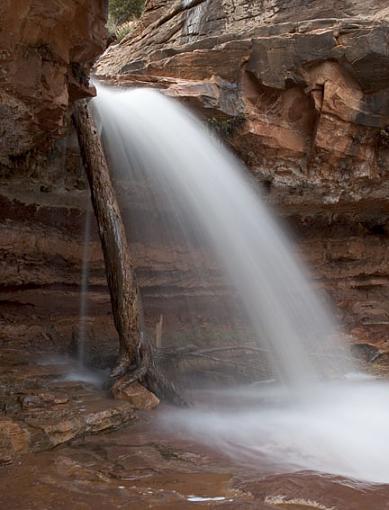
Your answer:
<point x="135" y="356"/>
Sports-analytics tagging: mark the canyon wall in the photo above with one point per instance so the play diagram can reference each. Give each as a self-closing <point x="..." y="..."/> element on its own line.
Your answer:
<point x="46" y="50"/>
<point x="300" y="90"/>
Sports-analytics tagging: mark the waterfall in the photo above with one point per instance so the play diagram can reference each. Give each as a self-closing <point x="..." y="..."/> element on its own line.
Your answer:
<point x="153" y="137"/>
<point x="333" y="424"/>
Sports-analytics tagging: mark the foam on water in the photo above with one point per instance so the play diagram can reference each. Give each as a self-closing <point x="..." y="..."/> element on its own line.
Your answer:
<point x="340" y="428"/>
<point x="85" y="375"/>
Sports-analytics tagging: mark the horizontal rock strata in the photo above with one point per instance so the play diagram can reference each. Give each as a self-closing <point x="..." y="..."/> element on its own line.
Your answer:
<point x="301" y="92"/>
<point x="42" y="407"/>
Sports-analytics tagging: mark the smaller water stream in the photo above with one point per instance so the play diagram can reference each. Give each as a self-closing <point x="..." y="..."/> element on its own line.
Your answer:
<point x="84" y="291"/>
<point x="81" y="372"/>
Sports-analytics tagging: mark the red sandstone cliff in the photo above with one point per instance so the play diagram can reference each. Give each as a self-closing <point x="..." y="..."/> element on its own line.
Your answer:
<point x="46" y="50"/>
<point x="299" y="89"/>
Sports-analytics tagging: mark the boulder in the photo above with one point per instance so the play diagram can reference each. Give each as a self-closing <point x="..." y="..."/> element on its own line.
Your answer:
<point x="137" y="395"/>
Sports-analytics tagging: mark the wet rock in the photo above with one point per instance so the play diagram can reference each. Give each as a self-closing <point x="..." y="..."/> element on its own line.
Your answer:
<point x="45" y="62"/>
<point x="137" y="395"/>
<point x="14" y="440"/>
<point x="55" y="428"/>
<point x="43" y="400"/>
<point x="45" y="410"/>
<point x="366" y="352"/>
<point x="72" y="469"/>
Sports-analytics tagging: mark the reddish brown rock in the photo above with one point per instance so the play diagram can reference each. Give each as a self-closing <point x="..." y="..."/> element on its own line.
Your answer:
<point x="14" y="440"/>
<point x="42" y="400"/>
<point x="301" y="93"/>
<point x="44" y="409"/>
<point x="46" y="51"/>
<point x="314" y="98"/>
<point x="137" y="395"/>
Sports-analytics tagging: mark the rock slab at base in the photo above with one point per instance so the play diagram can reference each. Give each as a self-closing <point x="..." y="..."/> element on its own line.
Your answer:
<point x="140" y="397"/>
<point x="43" y="409"/>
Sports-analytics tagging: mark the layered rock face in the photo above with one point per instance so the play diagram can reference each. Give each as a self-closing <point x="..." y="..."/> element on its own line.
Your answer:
<point x="47" y="48"/>
<point x="300" y="90"/>
<point x="46" y="51"/>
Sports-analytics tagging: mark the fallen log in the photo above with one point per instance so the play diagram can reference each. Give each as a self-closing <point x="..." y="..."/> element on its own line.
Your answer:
<point x="136" y="360"/>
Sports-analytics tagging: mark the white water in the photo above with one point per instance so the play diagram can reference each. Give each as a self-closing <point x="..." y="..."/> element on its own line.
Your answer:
<point x="202" y="181"/>
<point x="340" y="427"/>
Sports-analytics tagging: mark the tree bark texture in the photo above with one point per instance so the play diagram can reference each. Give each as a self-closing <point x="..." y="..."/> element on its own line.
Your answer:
<point x="119" y="268"/>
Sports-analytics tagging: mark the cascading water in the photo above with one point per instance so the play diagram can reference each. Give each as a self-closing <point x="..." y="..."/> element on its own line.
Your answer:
<point x="305" y="423"/>
<point x="204" y="182"/>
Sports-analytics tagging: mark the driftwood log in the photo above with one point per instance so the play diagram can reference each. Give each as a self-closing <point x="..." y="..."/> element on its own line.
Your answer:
<point x="136" y="360"/>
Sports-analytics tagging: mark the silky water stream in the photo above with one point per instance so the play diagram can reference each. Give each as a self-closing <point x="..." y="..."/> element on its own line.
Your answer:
<point x="315" y="413"/>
